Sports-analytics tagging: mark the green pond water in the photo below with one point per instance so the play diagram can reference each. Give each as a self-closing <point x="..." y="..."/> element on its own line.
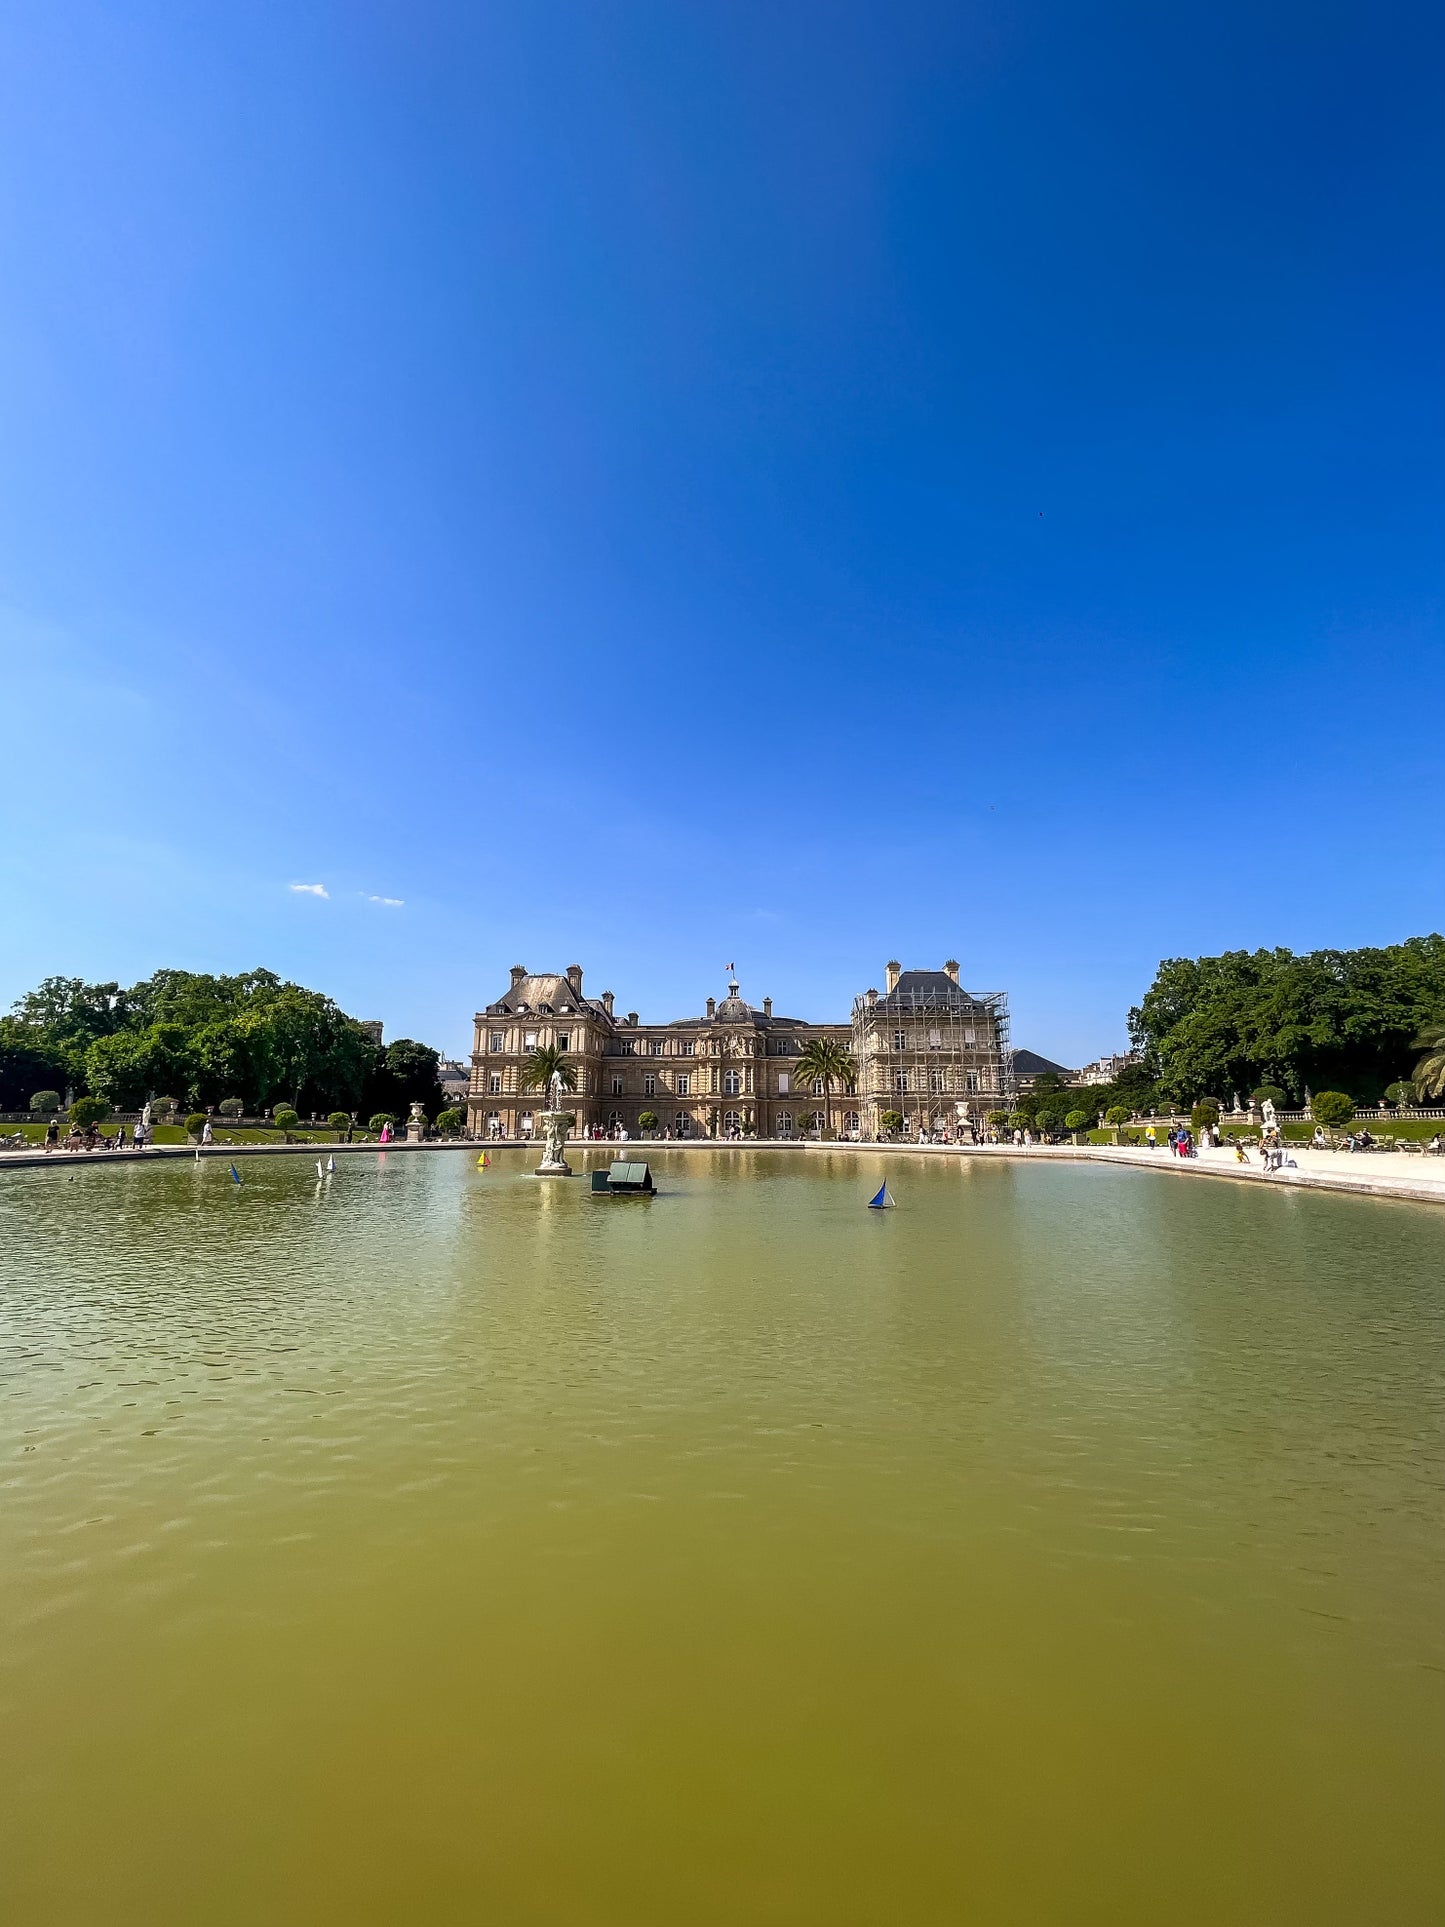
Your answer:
<point x="443" y="1545"/>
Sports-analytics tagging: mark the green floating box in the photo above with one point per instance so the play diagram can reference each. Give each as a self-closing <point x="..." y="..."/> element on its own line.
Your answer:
<point x="623" y="1179"/>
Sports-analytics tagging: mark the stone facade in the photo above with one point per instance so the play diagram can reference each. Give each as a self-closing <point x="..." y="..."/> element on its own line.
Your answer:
<point x="730" y="1071"/>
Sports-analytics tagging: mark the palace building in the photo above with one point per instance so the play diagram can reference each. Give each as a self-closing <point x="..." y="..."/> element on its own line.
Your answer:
<point x="928" y="1050"/>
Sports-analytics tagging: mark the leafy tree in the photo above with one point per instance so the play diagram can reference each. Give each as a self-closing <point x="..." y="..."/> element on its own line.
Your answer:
<point x="1047" y="1119"/>
<point x="284" y="1118"/>
<point x="647" y="1120"/>
<point x="1269" y="1016"/>
<point x="449" y="1121"/>
<point x="891" y="1122"/>
<point x="1333" y="1109"/>
<point x="1429" y="1074"/>
<point x="1076" y="1121"/>
<point x="1400" y="1093"/>
<point x="1205" y="1112"/>
<point x="996" y="1118"/>
<point x="1268" y="1094"/>
<point x="195" y="1123"/>
<point x="380" y="1119"/>
<point x="1118" y="1115"/>
<point x="86" y="1111"/>
<point x="44" y="1102"/>
<point x="339" y="1120"/>
<point x="129" y="1066"/>
<point x="1020" y="1121"/>
<point x="231" y="1107"/>
<point x="545" y="1063"/>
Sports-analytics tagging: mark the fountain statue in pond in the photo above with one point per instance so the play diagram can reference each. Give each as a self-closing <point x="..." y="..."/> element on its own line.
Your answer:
<point x="555" y="1122"/>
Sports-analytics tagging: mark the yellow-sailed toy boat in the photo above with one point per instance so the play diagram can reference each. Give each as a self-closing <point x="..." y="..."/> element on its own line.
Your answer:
<point x="484" y="1163"/>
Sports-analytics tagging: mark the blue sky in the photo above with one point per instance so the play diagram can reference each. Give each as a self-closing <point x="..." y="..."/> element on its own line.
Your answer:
<point x="656" y="485"/>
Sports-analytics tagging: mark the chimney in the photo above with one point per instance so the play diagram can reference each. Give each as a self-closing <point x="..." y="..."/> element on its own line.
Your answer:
<point x="712" y="1006"/>
<point x="519" y="971"/>
<point x="767" y="1006"/>
<point x="607" y="1001"/>
<point x="950" y="969"/>
<point x="632" y="1018"/>
<point x="574" y="977"/>
<point x="870" y="997"/>
<point x="892" y="971"/>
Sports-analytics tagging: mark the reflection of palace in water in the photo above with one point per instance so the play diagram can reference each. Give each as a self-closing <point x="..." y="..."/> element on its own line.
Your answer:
<point x="925" y="1047"/>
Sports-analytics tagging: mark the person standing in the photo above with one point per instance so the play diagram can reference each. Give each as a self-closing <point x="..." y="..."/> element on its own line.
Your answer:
<point x="52" y="1136"/>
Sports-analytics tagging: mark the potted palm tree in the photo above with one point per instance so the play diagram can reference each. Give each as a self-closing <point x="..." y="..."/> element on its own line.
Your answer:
<point x="823" y="1060"/>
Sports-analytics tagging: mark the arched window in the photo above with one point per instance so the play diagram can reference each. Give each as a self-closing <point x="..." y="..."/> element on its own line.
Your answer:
<point x="614" y="1120"/>
<point x="850" y="1123"/>
<point x="783" y="1124"/>
<point x="682" y="1125"/>
<point x="494" y="1123"/>
<point x="732" y="1123"/>
<point x="525" y="1124"/>
<point x="732" y="1083"/>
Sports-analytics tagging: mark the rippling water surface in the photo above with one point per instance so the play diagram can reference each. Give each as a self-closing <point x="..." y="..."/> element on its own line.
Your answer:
<point x="442" y="1545"/>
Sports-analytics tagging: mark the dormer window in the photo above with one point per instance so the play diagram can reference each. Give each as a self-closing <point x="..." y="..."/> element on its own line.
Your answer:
<point x="521" y="1007"/>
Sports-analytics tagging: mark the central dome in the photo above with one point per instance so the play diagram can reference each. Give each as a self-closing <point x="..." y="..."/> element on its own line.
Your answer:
<point x="732" y="1009"/>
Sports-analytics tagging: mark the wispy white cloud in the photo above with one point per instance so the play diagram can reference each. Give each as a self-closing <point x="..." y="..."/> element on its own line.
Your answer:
<point x="310" y="889"/>
<point x="392" y="903"/>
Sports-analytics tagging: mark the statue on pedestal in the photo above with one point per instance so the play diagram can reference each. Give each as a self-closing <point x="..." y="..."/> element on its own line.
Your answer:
<point x="555" y="1122"/>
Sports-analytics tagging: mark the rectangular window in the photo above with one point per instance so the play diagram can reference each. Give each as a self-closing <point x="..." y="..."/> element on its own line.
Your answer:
<point x="494" y="1083"/>
<point x="968" y="1037"/>
<point x="629" y="1048"/>
<point x="564" y="1040"/>
<point x="657" y="1046"/>
<point x="782" y="1083"/>
<point x="688" y="1050"/>
<point x="649" y="1087"/>
<point x="684" y="1084"/>
<point x="529" y="1040"/>
<point x="617" y="1087"/>
<point x="497" y="1040"/>
<point x="900" y="1083"/>
<point x="817" y="1087"/>
<point x="900" y="1040"/>
<point x="936" y="1081"/>
<point x="970" y="1080"/>
<point x="935" y="1040"/>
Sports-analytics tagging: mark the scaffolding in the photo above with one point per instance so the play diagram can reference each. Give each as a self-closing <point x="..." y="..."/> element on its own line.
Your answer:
<point x="934" y="1052"/>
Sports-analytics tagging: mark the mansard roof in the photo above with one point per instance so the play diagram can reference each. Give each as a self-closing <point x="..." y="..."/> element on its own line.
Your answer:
<point x="543" y="992"/>
<point x="1028" y="1063"/>
<point x="927" y="990"/>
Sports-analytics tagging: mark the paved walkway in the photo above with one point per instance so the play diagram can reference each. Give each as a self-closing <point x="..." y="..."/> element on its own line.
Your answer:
<point x="1385" y="1174"/>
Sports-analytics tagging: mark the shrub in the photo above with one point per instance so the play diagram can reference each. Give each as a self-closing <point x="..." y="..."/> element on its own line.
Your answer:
<point x="647" y="1120"/>
<point x="231" y="1107"/>
<point x="1046" y="1119"/>
<point x="1077" y="1121"/>
<point x="1205" y="1112"/>
<point x="1394" y="1094"/>
<point x="196" y="1123"/>
<point x="449" y="1121"/>
<point x="381" y="1117"/>
<point x="890" y="1121"/>
<point x="45" y="1102"/>
<point x="1268" y="1093"/>
<point x="284" y="1118"/>
<point x="338" y="1120"/>
<point x="1332" y="1109"/>
<point x="996" y="1118"/>
<point x="86" y="1111"/>
<point x="1019" y="1121"/>
<point x="1118" y="1114"/>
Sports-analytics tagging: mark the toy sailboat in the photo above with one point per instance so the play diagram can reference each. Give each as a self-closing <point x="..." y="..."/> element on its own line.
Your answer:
<point x="235" y="1174"/>
<point x="882" y="1201"/>
<point x="330" y="1166"/>
<point x="484" y="1163"/>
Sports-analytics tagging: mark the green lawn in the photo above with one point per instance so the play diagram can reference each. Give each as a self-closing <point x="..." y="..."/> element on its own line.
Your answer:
<point x="176" y="1134"/>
